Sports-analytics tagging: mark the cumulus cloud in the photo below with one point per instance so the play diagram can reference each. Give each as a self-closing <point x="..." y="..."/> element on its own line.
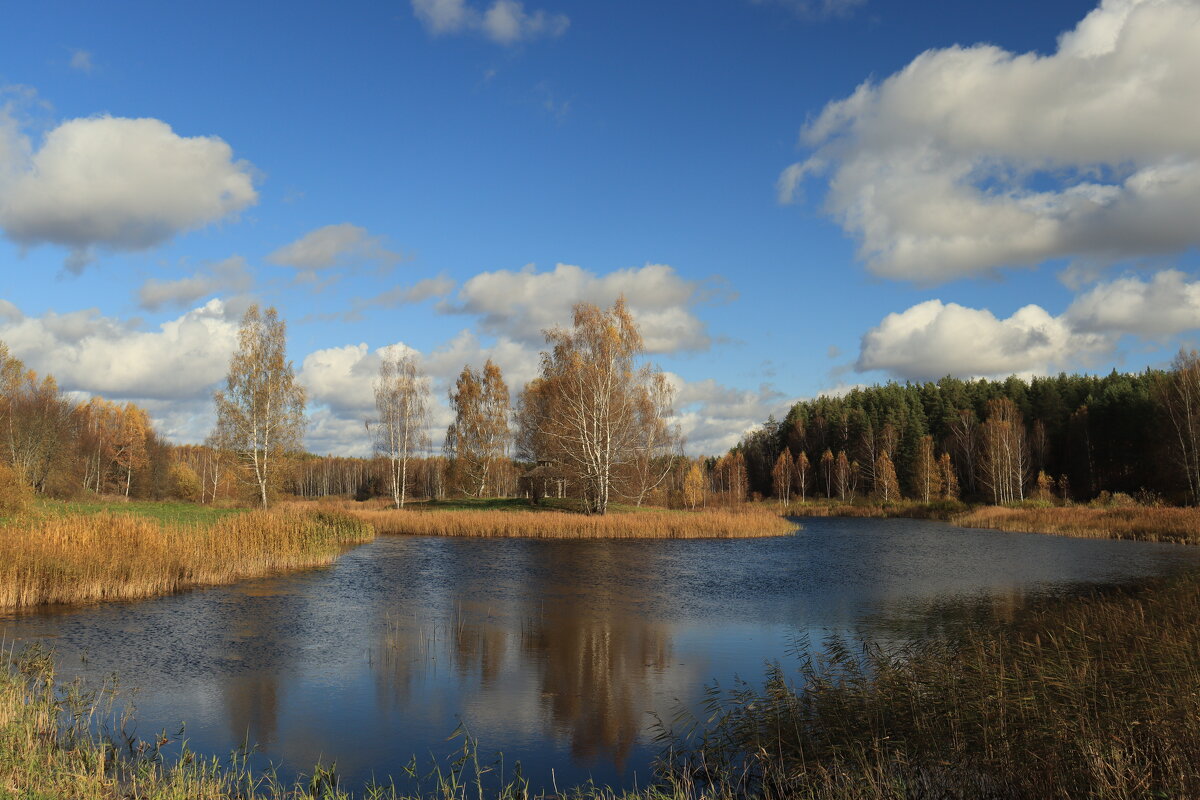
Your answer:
<point x="340" y="381"/>
<point x="933" y="339"/>
<point x="230" y="275"/>
<point x="521" y="304"/>
<point x="1165" y="305"/>
<point x="505" y="22"/>
<point x="183" y="359"/>
<point x="115" y="183"/>
<point x="974" y="158"/>
<point x="339" y="245"/>
<point x="713" y="416"/>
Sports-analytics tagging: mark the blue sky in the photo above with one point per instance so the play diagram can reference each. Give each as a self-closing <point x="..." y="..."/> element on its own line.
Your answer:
<point x="794" y="196"/>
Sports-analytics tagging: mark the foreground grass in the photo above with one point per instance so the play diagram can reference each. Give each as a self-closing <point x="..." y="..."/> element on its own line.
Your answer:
<point x="81" y="558"/>
<point x="641" y="524"/>
<point x="1095" y="697"/>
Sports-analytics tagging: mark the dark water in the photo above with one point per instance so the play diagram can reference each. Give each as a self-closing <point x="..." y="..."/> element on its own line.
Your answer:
<point x="558" y="653"/>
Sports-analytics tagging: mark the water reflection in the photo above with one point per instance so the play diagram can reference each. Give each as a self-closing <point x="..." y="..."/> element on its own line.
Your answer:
<point x="559" y="653"/>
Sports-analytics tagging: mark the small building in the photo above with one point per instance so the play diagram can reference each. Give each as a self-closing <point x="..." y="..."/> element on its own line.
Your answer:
<point x="544" y="480"/>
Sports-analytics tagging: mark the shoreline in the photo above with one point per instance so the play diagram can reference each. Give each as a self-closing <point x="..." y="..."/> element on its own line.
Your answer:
<point x="1170" y="524"/>
<point x="562" y="525"/>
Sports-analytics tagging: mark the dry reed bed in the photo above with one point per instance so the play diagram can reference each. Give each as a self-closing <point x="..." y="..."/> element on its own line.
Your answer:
<point x="707" y="524"/>
<point x="78" y="559"/>
<point x="1085" y="697"/>
<point x="1144" y="523"/>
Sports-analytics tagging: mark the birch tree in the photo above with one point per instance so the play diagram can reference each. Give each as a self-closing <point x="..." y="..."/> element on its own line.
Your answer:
<point x="260" y="413"/>
<point x="402" y="400"/>
<point x="478" y="438"/>
<point x="1179" y="393"/>
<point x="587" y="411"/>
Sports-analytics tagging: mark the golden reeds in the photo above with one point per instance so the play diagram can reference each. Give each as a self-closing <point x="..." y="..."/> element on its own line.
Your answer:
<point x="1076" y="697"/>
<point x="1145" y="523"/>
<point x="707" y="524"/>
<point x="85" y="558"/>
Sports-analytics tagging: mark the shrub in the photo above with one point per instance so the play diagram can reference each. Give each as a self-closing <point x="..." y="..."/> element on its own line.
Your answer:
<point x="14" y="494"/>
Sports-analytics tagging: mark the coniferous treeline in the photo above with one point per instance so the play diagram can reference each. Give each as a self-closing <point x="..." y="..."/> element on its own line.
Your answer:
<point x="1071" y="435"/>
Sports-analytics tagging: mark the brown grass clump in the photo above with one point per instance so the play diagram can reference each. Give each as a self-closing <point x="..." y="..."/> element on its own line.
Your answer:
<point x="85" y="558"/>
<point x="1144" y="523"/>
<point x="707" y="524"/>
<point x="14" y="495"/>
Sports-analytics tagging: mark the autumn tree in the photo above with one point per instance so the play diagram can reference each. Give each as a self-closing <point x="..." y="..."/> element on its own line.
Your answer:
<point x="695" y="486"/>
<point x="841" y="474"/>
<point x="1179" y="393"/>
<point x="1003" y="461"/>
<point x="129" y="441"/>
<point x="478" y="438"/>
<point x="927" y="477"/>
<point x="659" y="440"/>
<point x="782" y="476"/>
<point x="260" y="413"/>
<point x="949" y="477"/>
<point x="887" y="487"/>
<point x="402" y="402"/>
<point x="827" y="471"/>
<point x="589" y="410"/>
<point x="802" y="474"/>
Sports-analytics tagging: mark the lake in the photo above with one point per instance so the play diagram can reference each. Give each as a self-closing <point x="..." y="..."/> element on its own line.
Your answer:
<point x="559" y="653"/>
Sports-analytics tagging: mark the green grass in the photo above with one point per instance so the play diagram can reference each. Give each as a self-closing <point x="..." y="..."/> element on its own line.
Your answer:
<point x="163" y="512"/>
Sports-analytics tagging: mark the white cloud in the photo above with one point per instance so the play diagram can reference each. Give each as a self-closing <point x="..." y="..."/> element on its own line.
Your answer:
<point x="82" y="60"/>
<point x="815" y="9"/>
<point x="933" y="339"/>
<point x="230" y="275"/>
<point x="1165" y="305"/>
<point x="974" y="158"/>
<point x="714" y="417"/>
<point x="521" y="304"/>
<point x="334" y="246"/>
<point x="397" y="296"/>
<point x="115" y="183"/>
<point x="505" y="22"/>
<point x="185" y="358"/>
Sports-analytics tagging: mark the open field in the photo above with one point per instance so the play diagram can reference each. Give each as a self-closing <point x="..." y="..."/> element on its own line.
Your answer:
<point x="79" y="558"/>
<point x="165" y="512"/>
<point x="550" y="524"/>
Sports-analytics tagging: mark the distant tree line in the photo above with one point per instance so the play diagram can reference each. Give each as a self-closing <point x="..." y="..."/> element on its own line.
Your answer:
<point x="1071" y="436"/>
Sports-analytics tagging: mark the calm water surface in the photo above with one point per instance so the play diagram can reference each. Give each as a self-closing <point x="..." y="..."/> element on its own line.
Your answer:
<point x="558" y="653"/>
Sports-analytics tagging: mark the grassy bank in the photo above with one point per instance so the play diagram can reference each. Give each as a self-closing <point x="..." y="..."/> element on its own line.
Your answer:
<point x="549" y="524"/>
<point x="1145" y="523"/>
<point x="1098" y="697"/>
<point x="1149" y="523"/>
<point x="79" y="558"/>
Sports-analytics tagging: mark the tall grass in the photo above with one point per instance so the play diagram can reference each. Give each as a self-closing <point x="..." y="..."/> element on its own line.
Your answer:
<point x="752" y="522"/>
<point x="1145" y="523"/>
<point x="84" y="558"/>
<point x="1095" y="697"/>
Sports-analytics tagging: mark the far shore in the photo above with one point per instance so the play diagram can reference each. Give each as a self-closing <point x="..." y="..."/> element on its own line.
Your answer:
<point x="1097" y="520"/>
